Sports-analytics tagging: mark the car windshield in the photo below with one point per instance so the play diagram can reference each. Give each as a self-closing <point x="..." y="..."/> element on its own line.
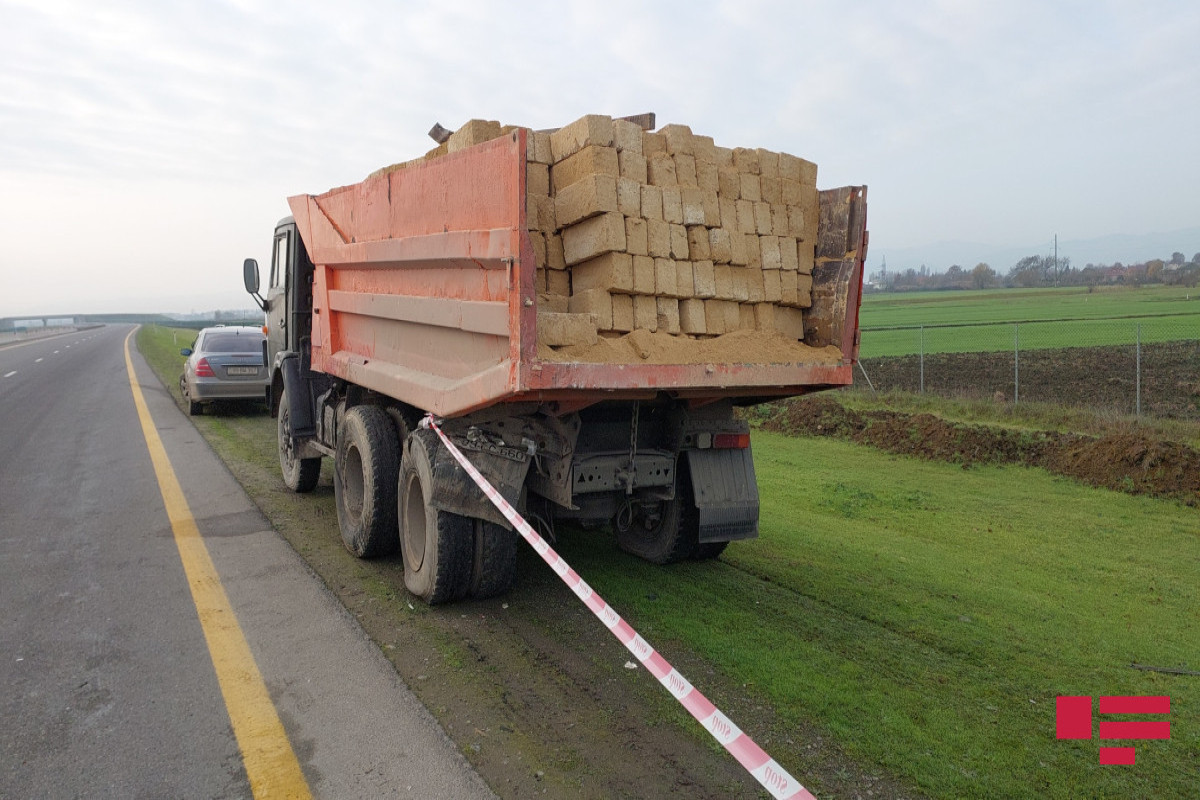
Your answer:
<point x="233" y="343"/>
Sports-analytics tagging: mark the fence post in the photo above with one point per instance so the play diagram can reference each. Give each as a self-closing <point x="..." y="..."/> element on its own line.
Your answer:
<point x="1016" y="363"/>
<point x="1138" y="366"/>
<point x="922" y="359"/>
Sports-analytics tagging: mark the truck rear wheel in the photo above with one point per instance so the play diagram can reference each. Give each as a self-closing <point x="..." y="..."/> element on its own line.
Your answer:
<point x="364" y="482"/>
<point x="494" y="566"/>
<point x="299" y="474"/>
<point x="665" y="532"/>
<point x="437" y="546"/>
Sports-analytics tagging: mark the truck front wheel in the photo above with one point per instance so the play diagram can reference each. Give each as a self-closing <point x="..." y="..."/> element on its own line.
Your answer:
<point x="364" y="482"/>
<point x="663" y="532"/>
<point x="299" y="474"/>
<point x="437" y="546"/>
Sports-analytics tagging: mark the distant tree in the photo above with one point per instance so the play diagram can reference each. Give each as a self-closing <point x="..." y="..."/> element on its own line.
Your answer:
<point x="1177" y="259"/>
<point x="1154" y="270"/>
<point x="1196" y="258"/>
<point x="983" y="276"/>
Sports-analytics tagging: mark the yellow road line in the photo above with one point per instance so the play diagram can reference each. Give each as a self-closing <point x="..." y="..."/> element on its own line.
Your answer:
<point x="271" y="764"/>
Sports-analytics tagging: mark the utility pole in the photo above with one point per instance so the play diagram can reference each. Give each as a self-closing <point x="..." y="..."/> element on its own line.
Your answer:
<point x="1056" y="260"/>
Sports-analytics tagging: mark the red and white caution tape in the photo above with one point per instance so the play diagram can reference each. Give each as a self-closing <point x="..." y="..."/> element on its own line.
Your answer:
<point x="773" y="777"/>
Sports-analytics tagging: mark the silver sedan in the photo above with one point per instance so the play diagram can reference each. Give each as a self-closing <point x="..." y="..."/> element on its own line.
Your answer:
<point x="224" y="363"/>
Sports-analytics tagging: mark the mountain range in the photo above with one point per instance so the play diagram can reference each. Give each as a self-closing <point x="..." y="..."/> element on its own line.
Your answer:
<point x="1124" y="248"/>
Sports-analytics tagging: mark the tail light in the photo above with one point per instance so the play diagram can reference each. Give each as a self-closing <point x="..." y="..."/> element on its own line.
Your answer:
<point x="204" y="369"/>
<point x="731" y="441"/>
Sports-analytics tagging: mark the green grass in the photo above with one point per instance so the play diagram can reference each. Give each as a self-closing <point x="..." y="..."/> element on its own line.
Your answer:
<point x="922" y="616"/>
<point x="985" y="321"/>
<point x="928" y="616"/>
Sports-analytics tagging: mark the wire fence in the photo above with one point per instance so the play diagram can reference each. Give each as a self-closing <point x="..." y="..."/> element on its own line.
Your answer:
<point x="1145" y="365"/>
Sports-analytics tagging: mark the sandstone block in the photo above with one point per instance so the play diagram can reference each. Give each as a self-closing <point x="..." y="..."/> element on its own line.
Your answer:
<point x="707" y="176"/>
<point x="627" y="136"/>
<point x="591" y="160"/>
<point x="746" y="160"/>
<point x="476" y="131"/>
<point x="658" y="238"/>
<point x="593" y="129"/>
<point x="611" y="272"/>
<point x="729" y="183"/>
<point x="790" y="192"/>
<point x="745" y="317"/>
<point x="704" y="279"/>
<point x="537" y="148"/>
<point x="685" y="282"/>
<point x="711" y="206"/>
<point x="745" y="217"/>
<point x="539" y="279"/>
<point x="664" y="278"/>
<point x="788" y="260"/>
<point x="779" y="220"/>
<point x="787" y="289"/>
<point x="660" y="170"/>
<point x="552" y="302"/>
<point x="724" y="156"/>
<point x="595" y="194"/>
<point x="622" y="306"/>
<point x="698" y="243"/>
<point x="764" y="316"/>
<point x="772" y="290"/>
<point x="704" y="148"/>
<point x="685" y="169"/>
<point x="723" y="275"/>
<point x="728" y="214"/>
<point x="762" y="219"/>
<point x="653" y="143"/>
<point x="668" y="314"/>
<point x="741" y="284"/>
<point x="756" y="291"/>
<point x="770" y="189"/>
<point x="769" y="248"/>
<point x="805" y="257"/>
<point x="537" y="178"/>
<point x="554" y="252"/>
<point x="672" y="205"/>
<point x="795" y="222"/>
<point x="632" y="165"/>
<point x="692" y="200"/>
<point x="790" y="322"/>
<point x="636" y="237"/>
<point x="751" y="190"/>
<point x="594" y="237"/>
<point x="558" y="282"/>
<point x="753" y="251"/>
<point x="719" y="245"/>
<point x="560" y="330"/>
<point x="645" y="313"/>
<point x="804" y="284"/>
<point x="691" y="316"/>
<point x="714" y="316"/>
<point x="739" y="247"/>
<point x="679" y="242"/>
<point x="679" y="139"/>
<point x="643" y="275"/>
<point x="538" y="240"/>
<point x="652" y="202"/>
<point x="733" y="315"/>
<point x="768" y="163"/>
<point x="629" y="197"/>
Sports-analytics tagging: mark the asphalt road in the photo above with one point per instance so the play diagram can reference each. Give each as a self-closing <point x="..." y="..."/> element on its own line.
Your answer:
<point x="110" y="688"/>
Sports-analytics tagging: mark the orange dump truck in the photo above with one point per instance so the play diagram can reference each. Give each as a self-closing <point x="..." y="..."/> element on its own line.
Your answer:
<point x="419" y="291"/>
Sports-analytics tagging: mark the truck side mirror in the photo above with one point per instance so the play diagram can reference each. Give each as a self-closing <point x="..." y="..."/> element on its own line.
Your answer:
<point x="250" y="278"/>
<point x="250" y="275"/>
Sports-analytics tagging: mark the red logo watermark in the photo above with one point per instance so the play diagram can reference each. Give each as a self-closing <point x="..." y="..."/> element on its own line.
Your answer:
<point x="1073" y="717"/>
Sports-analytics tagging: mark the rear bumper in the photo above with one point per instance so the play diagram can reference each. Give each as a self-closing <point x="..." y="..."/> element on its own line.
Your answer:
<point x="228" y="390"/>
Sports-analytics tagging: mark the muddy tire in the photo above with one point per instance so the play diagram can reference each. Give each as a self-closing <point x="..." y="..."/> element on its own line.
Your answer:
<point x="299" y="474"/>
<point x="709" y="551"/>
<point x="494" y="565"/>
<point x="364" y="482"/>
<point x="666" y="533"/>
<point x="437" y="546"/>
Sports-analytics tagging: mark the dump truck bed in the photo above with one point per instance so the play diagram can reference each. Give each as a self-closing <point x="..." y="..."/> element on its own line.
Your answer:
<point x="424" y="290"/>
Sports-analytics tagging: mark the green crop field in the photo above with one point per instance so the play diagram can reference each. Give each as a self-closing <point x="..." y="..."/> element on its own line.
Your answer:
<point x="1001" y="319"/>
<point x="922" y="616"/>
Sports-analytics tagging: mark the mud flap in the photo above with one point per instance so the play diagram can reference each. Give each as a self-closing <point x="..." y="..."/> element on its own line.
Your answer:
<point x="454" y="491"/>
<point x="299" y="395"/>
<point x="726" y="492"/>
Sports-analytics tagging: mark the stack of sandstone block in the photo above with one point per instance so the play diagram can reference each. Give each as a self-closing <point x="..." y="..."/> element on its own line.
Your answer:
<point x="663" y="231"/>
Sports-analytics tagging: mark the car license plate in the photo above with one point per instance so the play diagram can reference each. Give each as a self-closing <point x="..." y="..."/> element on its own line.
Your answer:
<point x="242" y="370"/>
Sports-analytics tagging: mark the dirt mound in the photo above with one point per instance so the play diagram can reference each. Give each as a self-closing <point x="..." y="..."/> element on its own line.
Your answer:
<point x="1124" y="462"/>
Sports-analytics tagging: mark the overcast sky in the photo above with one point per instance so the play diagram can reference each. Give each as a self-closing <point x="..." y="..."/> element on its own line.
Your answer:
<point x="148" y="147"/>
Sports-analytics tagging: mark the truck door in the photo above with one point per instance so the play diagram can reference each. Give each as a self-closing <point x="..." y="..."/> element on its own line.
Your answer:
<point x="277" y="296"/>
